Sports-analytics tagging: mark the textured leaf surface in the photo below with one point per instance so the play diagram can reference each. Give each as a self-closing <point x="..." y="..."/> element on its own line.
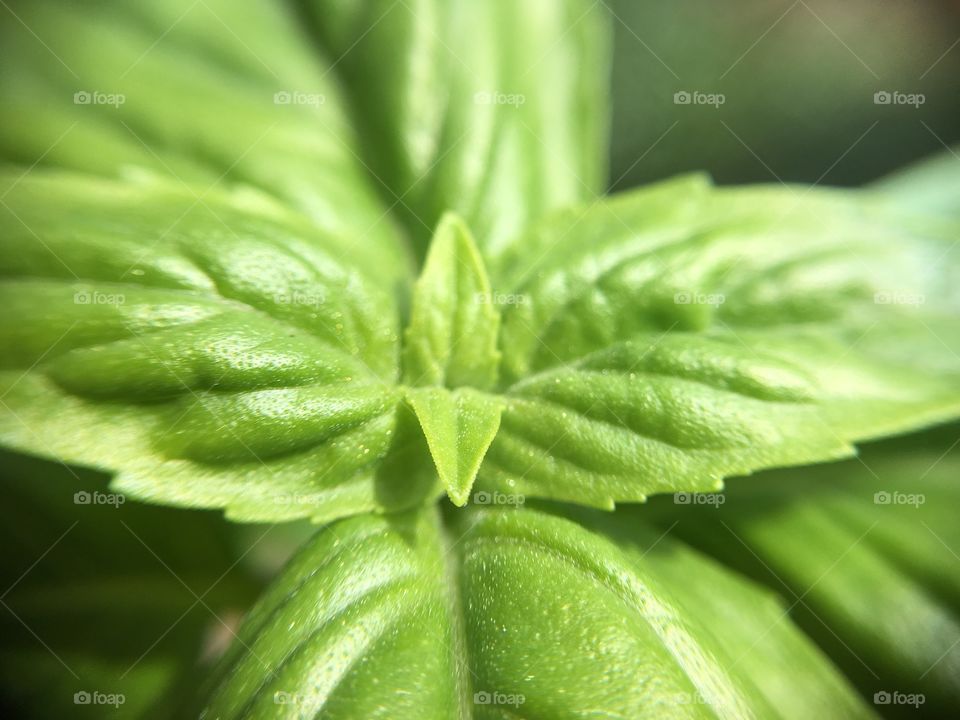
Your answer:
<point x="653" y="342"/>
<point x="459" y="426"/>
<point x="514" y="613"/>
<point x="452" y="336"/>
<point x="865" y="553"/>
<point x="206" y="93"/>
<point x="670" y="337"/>
<point x="495" y="109"/>
<point x="243" y="359"/>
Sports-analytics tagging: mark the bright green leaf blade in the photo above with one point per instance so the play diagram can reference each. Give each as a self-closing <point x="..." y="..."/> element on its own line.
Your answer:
<point x="238" y="359"/>
<point x="683" y="256"/>
<point x="733" y="611"/>
<point x="512" y="612"/>
<point x="495" y="109"/>
<point x="361" y="612"/>
<point x="682" y="411"/>
<point x="459" y="426"/>
<point x="666" y="339"/>
<point x="452" y="336"/>
<point x="204" y="93"/>
<point x="864" y="552"/>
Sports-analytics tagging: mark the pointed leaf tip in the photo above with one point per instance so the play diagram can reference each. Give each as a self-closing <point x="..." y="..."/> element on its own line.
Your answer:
<point x="459" y="426"/>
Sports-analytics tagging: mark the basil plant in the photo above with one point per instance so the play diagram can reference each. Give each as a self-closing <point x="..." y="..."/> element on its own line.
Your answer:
<point x="352" y="262"/>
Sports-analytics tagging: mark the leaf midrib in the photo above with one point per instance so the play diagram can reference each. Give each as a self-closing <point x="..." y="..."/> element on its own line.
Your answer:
<point x="450" y="582"/>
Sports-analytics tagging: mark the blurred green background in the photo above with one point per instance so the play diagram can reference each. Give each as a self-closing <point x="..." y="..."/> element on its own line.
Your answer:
<point x="799" y="78"/>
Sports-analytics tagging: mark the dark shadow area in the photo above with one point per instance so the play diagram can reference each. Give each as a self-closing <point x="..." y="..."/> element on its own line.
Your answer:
<point x="808" y="92"/>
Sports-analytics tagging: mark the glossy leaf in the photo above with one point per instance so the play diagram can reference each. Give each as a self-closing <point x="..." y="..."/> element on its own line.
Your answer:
<point x="240" y="348"/>
<point x="204" y="93"/>
<point x="494" y="109"/>
<point x="499" y="613"/>
<point x="665" y="339"/>
<point x="865" y="555"/>
<point x="242" y="360"/>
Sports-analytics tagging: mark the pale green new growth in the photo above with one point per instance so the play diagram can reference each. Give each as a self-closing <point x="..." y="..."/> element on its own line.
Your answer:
<point x="459" y="426"/>
<point x="452" y="336"/>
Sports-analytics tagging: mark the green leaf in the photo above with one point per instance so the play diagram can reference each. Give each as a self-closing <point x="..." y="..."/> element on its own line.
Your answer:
<point x="864" y="553"/>
<point x="735" y="612"/>
<point x="498" y="613"/>
<point x="452" y="341"/>
<point x="241" y="359"/>
<point x="263" y="330"/>
<point x="459" y="426"/>
<point x="665" y="339"/>
<point x="203" y="93"/>
<point x="452" y="336"/>
<point x="497" y="110"/>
